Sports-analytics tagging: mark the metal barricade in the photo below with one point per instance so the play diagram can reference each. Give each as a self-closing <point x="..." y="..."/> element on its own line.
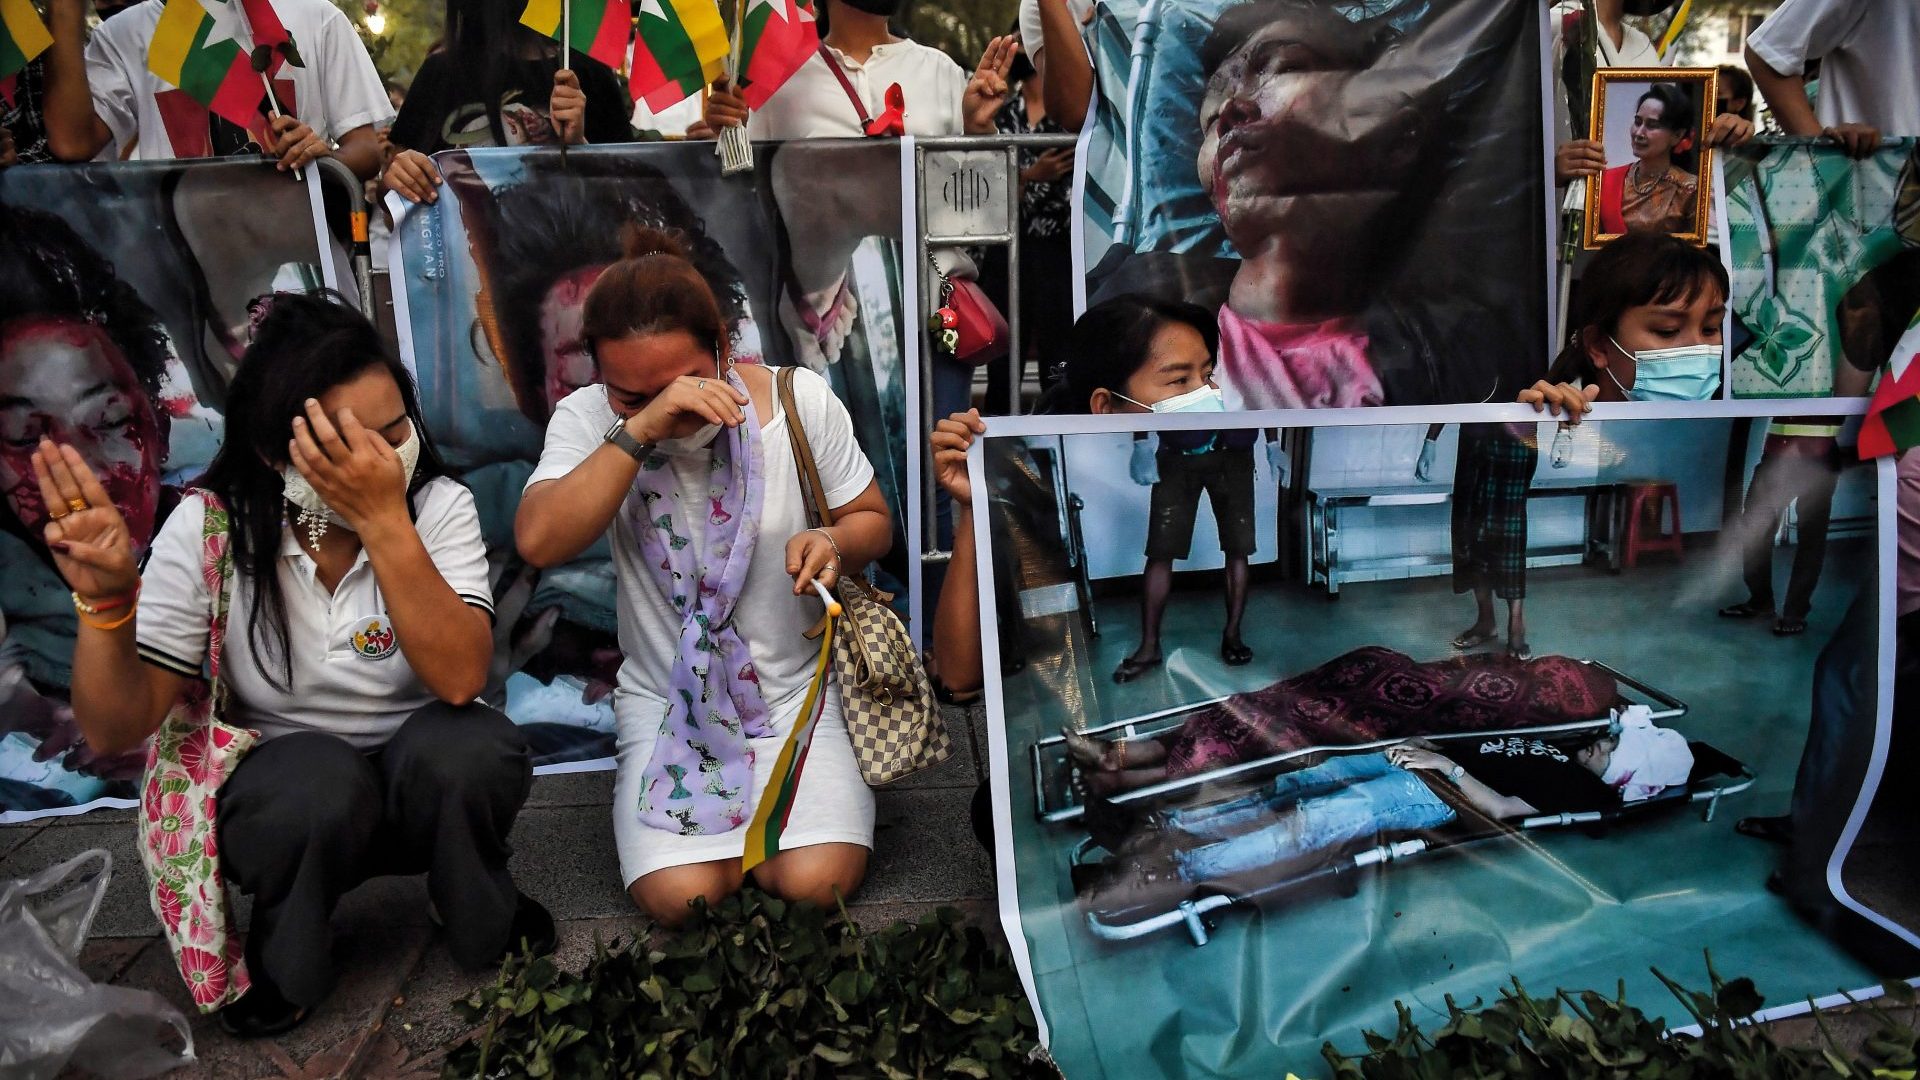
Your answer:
<point x="335" y="173"/>
<point x="968" y="195"/>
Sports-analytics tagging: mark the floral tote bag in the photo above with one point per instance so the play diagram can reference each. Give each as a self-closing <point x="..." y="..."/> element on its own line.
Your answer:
<point x="188" y="759"/>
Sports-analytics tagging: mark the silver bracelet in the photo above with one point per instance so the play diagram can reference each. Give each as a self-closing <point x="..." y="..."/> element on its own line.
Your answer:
<point x="834" y="544"/>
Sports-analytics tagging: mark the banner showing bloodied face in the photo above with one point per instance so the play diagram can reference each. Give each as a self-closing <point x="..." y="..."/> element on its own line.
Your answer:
<point x="1357" y="188"/>
<point x="1235" y="820"/>
<point x="489" y="285"/>
<point x="123" y="312"/>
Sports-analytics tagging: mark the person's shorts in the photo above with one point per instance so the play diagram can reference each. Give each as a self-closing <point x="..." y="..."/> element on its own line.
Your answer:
<point x="1226" y="476"/>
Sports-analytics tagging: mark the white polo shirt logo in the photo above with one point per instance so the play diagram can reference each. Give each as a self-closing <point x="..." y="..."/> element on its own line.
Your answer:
<point x="373" y="639"/>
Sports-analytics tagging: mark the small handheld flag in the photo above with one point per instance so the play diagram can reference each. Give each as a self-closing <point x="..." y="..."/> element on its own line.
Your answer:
<point x="1893" y="418"/>
<point x="201" y="54"/>
<point x="682" y="46"/>
<point x="597" y="28"/>
<point x="22" y="36"/>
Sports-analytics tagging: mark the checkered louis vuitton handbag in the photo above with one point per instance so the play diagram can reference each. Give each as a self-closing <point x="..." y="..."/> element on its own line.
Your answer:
<point x="885" y="695"/>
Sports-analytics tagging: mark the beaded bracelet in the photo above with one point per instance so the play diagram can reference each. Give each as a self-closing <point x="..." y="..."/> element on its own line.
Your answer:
<point x="112" y="603"/>
<point x="115" y="624"/>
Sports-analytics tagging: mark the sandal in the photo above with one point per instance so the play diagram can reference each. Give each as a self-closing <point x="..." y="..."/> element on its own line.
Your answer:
<point x="1131" y="669"/>
<point x="1235" y="652"/>
<point x="1746" y="609"/>
<point x="1789" y="625"/>
<point x="261" y="1013"/>
<point x="1473" y="638"/>
<point x="1774" y="830"/>
<point x="1519" y="650"/>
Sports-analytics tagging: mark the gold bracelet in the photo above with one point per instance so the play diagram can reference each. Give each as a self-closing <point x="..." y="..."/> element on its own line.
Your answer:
<point x="115" y="624"/>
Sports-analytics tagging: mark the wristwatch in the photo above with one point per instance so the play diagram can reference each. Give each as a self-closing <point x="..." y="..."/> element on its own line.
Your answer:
<point x="1454" y="774"/>
<point x="630" y="446"/>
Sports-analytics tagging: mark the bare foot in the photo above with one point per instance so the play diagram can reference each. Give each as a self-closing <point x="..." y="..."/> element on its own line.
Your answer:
<point x="1086" y="751"/>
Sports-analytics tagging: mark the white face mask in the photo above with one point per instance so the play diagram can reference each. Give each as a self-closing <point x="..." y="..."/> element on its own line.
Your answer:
<point x="1685" y="373"/>
<point x="697" y="441"/>
<point x="1204" y="398"/>
<point x="315" y="515"/>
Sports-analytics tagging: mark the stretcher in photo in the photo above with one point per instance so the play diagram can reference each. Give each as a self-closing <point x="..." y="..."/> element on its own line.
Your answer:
<point x="1570" y="660"/>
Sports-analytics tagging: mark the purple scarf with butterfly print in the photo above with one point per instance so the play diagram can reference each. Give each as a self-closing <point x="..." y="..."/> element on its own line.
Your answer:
<point x="700" y="778"/>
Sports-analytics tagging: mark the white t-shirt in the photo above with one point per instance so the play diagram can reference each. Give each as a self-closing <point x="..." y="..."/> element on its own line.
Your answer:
<point x="1869" y="53"/>
<point x="811" y="104"/>
<point x="338" y="89"/>
<point x="773" y="621"/>
<point x="1033" y="34"/>
<point x="349" y="676"/>
<point x="1635" y="51"/>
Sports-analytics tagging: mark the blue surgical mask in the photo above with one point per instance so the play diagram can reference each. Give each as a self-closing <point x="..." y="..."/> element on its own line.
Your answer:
<point x="1687" y="373"/>
<point x="1205" y="398"/>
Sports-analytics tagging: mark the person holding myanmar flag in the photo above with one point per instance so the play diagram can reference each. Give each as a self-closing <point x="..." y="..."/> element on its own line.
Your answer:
<point x="499" y="80"/>
<point x="178" y="79"/>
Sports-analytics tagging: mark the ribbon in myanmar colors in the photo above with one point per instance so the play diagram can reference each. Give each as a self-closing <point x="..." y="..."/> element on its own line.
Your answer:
<point x="776" y="802"/>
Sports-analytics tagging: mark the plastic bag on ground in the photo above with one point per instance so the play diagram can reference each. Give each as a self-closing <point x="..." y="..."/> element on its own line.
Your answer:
<point x="51" y="1015"/>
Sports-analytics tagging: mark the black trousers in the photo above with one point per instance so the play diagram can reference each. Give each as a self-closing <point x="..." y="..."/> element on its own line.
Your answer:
<point x="1781" y="478"/>
<point x="306" y="817"/>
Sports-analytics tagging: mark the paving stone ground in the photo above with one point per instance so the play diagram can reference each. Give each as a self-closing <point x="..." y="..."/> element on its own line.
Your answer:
<point x="391" y="1017"/>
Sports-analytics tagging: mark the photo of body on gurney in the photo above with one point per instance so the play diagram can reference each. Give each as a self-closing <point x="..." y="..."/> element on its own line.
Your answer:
<point x="1395" y="712"/>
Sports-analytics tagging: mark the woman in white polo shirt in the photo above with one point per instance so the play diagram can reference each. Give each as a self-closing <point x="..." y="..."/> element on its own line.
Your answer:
<point x="684" y="456"/>
<point x="358" y="637"/>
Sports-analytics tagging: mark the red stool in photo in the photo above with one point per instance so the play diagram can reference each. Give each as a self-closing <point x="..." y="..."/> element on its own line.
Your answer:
<point x="1647" y="503"/>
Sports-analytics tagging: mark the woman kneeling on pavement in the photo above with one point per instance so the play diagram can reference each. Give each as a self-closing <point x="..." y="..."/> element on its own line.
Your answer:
<point x="684" y="455"/>
<point x="356" y="638"/>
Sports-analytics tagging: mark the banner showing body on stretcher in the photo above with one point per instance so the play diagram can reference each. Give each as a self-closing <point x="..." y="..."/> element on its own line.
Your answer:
<point x="489" y="285"/>
<point x="123" y="313"/>
<point x="1236" y="820"/>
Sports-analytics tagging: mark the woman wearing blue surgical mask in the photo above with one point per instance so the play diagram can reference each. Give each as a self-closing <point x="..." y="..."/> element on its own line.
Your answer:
<point x="1647" y="322"/>
<point x="1131" y="354"/>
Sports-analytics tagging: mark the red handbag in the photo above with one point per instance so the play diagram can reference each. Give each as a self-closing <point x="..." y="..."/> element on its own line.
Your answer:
<point x="969" y="327"/>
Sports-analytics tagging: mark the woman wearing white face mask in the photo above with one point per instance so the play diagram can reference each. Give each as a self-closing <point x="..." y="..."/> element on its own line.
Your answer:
<point x="683" y="459"/>
<point x="357" y="636"/>
<point x="1647" y="323"/>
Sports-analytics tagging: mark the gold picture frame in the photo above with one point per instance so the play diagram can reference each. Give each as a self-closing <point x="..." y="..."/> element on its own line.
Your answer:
<point x="1605" y="203"/>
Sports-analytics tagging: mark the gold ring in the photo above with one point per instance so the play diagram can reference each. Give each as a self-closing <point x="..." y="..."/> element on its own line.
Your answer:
<point x="57" y="517"/>
<point x="76" y="505"/>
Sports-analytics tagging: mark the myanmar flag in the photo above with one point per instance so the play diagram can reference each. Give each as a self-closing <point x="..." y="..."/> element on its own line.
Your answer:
<point x="778" y="37"/>
<point x="22" y="36"/>
<point x="599" y="26"/>
<point x="1893" y="420"/>
<point x="197" y="51"/>
<point x="682" y="47"/>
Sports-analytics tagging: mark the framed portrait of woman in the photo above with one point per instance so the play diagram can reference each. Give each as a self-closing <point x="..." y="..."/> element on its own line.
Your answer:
<point x="1651" y="124"/>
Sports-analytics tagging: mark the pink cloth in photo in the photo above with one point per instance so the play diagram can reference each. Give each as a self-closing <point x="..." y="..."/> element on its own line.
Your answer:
<point x="1321" y="365"/>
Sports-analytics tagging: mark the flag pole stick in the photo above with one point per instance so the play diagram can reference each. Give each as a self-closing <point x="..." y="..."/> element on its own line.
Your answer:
<point x="260" y="61"/>
<point x="566" y="59"/>
<point x="736" y="153"/>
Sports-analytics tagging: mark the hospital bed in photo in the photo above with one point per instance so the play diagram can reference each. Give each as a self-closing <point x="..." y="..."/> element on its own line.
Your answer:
<point x="1056" y="783"/>
<point x="1328" y="566"/>
<point x="1715" y="775"/>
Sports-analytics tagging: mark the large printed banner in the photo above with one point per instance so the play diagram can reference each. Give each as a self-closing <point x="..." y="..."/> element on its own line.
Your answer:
<point x="1517" y="747"/>
<point x="1357" y="188"/>
<point x="123" y="311"/>
<point x="489" y="282"/>
<point x="1824" y="252"/>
